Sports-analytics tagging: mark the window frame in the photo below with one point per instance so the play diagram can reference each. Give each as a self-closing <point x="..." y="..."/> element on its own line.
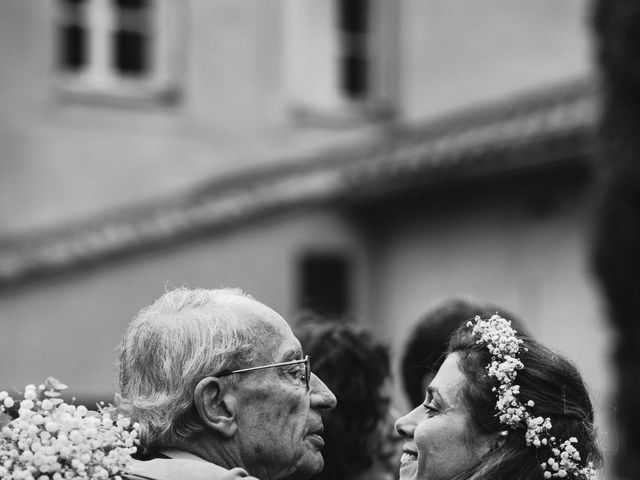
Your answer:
<point x="99" y="80"/>
<point x="312" y="51"/>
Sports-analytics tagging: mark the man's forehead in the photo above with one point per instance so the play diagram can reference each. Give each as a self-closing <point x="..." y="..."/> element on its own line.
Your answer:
<point x="255" y="313"/>
<point x="273" y="330"/>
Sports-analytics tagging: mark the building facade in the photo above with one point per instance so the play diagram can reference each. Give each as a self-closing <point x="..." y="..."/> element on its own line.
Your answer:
<point x="369" y="158"/>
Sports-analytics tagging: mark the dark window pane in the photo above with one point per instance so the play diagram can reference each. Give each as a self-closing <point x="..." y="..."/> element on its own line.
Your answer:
<point x="73" y="47"/>
<point x="353" y="15"/>
<point x="73" y="2"/>
<point x="133" y="4"/>
<point x="324" y="284"/>
<point x="130" y="53"/>
<point x="354" y="76"/>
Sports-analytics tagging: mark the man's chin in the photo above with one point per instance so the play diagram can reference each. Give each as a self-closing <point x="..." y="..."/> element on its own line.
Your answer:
<point x="311" y="466"/>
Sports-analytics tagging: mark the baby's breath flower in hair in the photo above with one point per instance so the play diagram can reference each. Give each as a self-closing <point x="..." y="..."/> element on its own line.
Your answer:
<point x="504" y="345"/>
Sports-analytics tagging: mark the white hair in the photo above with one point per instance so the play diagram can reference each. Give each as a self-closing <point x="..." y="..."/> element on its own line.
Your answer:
<point x="183" y="337"/>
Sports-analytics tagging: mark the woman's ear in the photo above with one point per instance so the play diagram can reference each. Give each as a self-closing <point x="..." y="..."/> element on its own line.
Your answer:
<point x="216" y="407"/>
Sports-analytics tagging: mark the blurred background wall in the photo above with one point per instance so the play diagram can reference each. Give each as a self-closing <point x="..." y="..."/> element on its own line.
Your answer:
<point x="366" y="159"/>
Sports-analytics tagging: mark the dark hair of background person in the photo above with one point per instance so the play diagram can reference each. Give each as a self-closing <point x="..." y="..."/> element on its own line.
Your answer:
<point x="356" y="367"/>
<point x="551" y="381"/>
<point x="427" y="344"/>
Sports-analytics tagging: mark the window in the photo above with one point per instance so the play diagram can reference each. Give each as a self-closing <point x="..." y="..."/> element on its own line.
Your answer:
<point x="340" y="59"/>
<point x="73" y="36"/>
<point x="324" y="284"/>
<point x="118" y="48"/>
<point x="131" y="37"/>
<point x="353" y="40"/>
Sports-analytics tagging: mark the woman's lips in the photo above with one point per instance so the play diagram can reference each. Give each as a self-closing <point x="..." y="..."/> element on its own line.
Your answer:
<point x="408" y="456"/>
<point x="408" y="465"/>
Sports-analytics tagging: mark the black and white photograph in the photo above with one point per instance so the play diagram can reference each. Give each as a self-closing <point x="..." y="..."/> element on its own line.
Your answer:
<point x="319" y="239"/>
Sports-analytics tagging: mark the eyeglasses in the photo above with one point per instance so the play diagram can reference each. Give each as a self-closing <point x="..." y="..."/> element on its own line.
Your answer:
<point x="307" y="368"/>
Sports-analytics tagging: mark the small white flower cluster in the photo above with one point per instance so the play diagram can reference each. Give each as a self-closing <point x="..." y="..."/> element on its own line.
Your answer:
<point x="53" y="440"/>
<point x="566" y="459"/>
<point x="497" y="335"/>
<point x="504" y="345"/>
<point x="537" y="427"/>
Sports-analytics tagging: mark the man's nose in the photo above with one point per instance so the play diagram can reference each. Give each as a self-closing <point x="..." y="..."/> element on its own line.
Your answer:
<point x="321" y="397"/>
<point x="405" y="426"/>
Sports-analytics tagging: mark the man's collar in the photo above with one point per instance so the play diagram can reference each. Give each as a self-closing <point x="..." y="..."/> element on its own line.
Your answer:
<point x="181" y="454"/>
<point x="182" y="465"/>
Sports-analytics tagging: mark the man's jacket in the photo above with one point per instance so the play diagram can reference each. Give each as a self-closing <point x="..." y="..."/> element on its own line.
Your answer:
<point x="193" y="468"/>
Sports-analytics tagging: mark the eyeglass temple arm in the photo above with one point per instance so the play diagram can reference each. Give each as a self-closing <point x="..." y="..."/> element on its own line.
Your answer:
<point x="262" y="367"/>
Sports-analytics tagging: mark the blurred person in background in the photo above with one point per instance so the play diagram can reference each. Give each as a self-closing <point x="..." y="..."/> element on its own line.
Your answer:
<point x="360" y="439"/>
<point x="427" y="343"/>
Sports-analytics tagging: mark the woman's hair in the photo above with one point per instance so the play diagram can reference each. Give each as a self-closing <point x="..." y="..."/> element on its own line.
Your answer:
<point x="170" y="346"/>
<point x="551" y="381"/>
<point x="427" y="345"/>
<point x="355" y="367"/>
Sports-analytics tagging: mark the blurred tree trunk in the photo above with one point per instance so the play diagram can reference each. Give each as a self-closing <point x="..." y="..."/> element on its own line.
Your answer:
<point x="617" y="238"/>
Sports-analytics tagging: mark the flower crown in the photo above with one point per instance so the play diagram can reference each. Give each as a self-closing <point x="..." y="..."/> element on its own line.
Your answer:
<point x="503" y="344"/>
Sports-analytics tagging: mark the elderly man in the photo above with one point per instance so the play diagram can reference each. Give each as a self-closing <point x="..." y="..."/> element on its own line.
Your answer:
<point x="221" y="389"/>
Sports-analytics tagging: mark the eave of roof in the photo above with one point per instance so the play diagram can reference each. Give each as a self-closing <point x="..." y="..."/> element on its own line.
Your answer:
<point x="538" y="129"/>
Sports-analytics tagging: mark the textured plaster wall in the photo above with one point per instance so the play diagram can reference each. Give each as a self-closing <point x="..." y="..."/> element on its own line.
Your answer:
<point x="458" y="53"/>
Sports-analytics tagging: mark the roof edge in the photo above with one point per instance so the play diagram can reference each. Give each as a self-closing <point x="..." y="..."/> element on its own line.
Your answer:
<point x="537" y="129"/>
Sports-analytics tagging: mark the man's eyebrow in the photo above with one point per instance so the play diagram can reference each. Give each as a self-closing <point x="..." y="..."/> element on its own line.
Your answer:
<point x="293" y="354"/>
<point x="434" y="393"/>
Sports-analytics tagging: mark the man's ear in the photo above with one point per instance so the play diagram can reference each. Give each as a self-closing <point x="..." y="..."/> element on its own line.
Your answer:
<point x="216" y="407"/>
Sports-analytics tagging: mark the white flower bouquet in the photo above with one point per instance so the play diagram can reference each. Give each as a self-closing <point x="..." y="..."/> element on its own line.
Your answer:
<point x="44" y="438"/>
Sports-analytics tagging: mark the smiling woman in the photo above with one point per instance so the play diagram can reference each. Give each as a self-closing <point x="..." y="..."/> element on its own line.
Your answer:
<point x="502" y="406"/>
<point x="441" y="437"/>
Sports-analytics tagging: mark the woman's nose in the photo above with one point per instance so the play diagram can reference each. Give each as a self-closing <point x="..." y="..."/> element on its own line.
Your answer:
<point x="321" y="397"/>
<point x="406" y="425"/>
